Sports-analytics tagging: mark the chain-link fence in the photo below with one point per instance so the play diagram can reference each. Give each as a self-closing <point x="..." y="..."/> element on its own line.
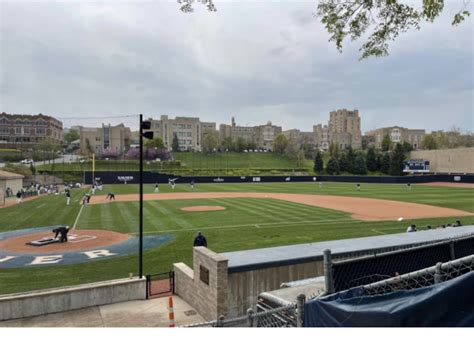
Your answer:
<point x="284" y="316"/>
<point x="424" y="277"/>
<point x="343" y="275"/>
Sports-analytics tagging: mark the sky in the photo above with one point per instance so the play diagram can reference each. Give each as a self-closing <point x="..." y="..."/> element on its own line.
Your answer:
<point x="257" y="61"/>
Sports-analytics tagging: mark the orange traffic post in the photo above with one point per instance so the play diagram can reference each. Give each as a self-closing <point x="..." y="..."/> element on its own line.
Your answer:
<point x="171" y="312"/>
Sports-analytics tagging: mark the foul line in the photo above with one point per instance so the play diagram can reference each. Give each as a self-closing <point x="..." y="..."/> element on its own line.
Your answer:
<point x="77" y="218"/>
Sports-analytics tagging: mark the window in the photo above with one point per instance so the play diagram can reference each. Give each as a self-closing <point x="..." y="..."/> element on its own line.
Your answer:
<point x="18" y="131"/>
<point x="4" y="121"/>
<point x="4" y="131"/>
<point x="40" y="131"/>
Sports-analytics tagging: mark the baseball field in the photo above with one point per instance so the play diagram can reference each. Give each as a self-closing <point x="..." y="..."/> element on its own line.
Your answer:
<point x="231" y="216"/>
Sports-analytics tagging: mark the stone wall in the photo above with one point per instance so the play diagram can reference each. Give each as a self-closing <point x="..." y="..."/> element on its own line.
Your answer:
<point x="448" y="160"/>
<point x="48" y="301"/>
<point x="205" y="286"/>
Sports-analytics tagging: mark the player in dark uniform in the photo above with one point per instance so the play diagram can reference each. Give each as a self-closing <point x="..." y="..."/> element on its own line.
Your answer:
<point x="110" y="196"/>
<point x="200" y="241"/>
<point x="63" y="230"/>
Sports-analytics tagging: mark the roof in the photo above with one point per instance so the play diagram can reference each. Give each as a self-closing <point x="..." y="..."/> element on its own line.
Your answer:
<point x="246" y="260"/>
<point x="9" y="175"/>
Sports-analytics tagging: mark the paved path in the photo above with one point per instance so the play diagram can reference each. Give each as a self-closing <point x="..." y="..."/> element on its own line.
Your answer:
<point x="139" y="313"/>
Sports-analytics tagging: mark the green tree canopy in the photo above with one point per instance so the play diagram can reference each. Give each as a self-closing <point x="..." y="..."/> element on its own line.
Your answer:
<point x="429" y="142"/>
<point x="386" y="143"/>
<point x="228" y="144"/>
<point x="318" y="163"/>
<point x="384" y="20"/>
<point x="360" y="167"/>
<point x="385" y="163"/>
<point x="70" y="136"/>
<point x="240" y="144"/>
<point x="371" y="159"/>
<point x="175" y="143"/>
<point x="154" y="143"/>
<point x="396" y="161"/>
<point x="332" y="167"/>
<point x="280" y="144"/>
<point x="210" y="141"/>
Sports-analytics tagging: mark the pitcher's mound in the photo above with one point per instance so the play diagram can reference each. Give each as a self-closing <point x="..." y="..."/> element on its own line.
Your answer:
<point x="202" y="208"/>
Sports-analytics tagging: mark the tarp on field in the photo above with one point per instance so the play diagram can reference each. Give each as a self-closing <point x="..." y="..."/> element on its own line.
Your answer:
<point x="447" y="304"/>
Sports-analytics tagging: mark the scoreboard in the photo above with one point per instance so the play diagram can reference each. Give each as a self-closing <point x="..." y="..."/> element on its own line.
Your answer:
<point x="416" y="166"/>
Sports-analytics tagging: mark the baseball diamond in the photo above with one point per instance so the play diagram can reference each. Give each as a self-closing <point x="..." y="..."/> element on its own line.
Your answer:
<point x="103" y="240"/>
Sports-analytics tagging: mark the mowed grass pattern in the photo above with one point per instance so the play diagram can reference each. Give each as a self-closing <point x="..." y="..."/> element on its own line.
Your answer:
<point x="247" y="223"/>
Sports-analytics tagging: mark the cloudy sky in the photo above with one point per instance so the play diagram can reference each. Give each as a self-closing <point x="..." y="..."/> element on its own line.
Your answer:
<point x="255" y="60"/>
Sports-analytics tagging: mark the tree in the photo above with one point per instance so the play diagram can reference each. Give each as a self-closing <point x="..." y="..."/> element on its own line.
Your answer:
<point x="332" y="167"/>
<point x="318" y="163"/>
<point x="175" y="143"/>
<point x="49" y="147"/>
<point x="371" y="160"/>
<point x="396" y="161"/>
<point x="334" y="150"/>
<point x="360" y="167"/>
<point x="350" y="160"/>
<point x="154" y="143"/>
<point x="228" y="144"/>
<point x="240" y="144"/>
<point x="300" y="158"/>
<point x="343" y="163"/>
<point x="407" y="148"/>
<point x="280" y="143"/>
<point x="386" y="19"/>
<point x="385" y="163"/>
<point x="70" y="136"/>
<point x="386" y="143"/>
<point x="209" y="142"/>
<point x="429" y="142"/>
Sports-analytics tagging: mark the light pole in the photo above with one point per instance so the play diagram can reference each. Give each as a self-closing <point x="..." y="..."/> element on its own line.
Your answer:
<point x="144" y="125"/>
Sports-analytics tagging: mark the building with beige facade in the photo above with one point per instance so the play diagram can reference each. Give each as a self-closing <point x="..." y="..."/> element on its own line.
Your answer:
<point x="397" y="134"/>
<point x="189" y="131"/>
<point x="113" y="138"/>
<point x="344" y="128"/>
<point x="261" y="136"/>
<point x="18" y="130"/>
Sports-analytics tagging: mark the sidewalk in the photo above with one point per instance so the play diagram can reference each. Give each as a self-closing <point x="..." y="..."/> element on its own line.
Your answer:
<point x="139" y="313"/>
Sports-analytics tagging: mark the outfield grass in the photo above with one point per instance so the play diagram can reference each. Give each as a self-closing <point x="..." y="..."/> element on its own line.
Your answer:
<point x="247" y="223"/>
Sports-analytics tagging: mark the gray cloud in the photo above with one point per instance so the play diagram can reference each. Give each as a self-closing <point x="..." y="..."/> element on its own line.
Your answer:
<point x="255" y="61"/>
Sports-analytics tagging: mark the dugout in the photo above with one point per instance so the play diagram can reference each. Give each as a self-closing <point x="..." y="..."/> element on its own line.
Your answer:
<point x="11" y="180"/>
<point x="229" y="283"/>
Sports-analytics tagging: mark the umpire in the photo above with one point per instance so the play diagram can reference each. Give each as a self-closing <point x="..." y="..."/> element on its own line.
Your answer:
<point x="63" y="231"/>
<point x="200" y="241"/>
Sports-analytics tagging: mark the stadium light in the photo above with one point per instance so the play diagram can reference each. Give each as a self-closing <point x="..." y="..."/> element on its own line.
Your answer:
<point x="144" y="125"/>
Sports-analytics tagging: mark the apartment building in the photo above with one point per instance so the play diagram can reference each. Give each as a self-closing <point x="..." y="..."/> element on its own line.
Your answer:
<point x="299" y="138"/>
<point x="261" y="135"/>
<point x="189" y="131"/>
<point x="113" y="138"/>
<point x="344" y="128"/>
<point x="19" y="130"/>
<point x="397" y="134"/>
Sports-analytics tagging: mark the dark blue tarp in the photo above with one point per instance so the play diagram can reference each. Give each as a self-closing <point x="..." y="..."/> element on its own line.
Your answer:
<point x="447" y="304"/>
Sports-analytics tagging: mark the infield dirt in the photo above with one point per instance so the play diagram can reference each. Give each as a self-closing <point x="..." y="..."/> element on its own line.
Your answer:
<point x="365" y="209"/>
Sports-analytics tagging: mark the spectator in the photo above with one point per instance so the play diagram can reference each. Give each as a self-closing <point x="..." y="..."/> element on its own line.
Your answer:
<point x="412" y="228"/>
<point x="428" y="227"/>
<point x="200" y="241"/>
<point x="457" y="224"/>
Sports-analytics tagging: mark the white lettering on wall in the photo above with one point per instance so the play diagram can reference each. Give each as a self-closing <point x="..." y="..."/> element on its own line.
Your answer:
<point x="99" y="253"/>
<point x="47" y="259"/>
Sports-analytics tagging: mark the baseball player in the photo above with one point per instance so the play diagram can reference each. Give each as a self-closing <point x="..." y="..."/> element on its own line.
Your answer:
<point x="157" y="188"/>
<point x="358" y="187"/>
<point x="110" y="196"/>
<point x="192" y="185"/>
<point x="409" y="186"/>
<point x="68" y="196"/>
